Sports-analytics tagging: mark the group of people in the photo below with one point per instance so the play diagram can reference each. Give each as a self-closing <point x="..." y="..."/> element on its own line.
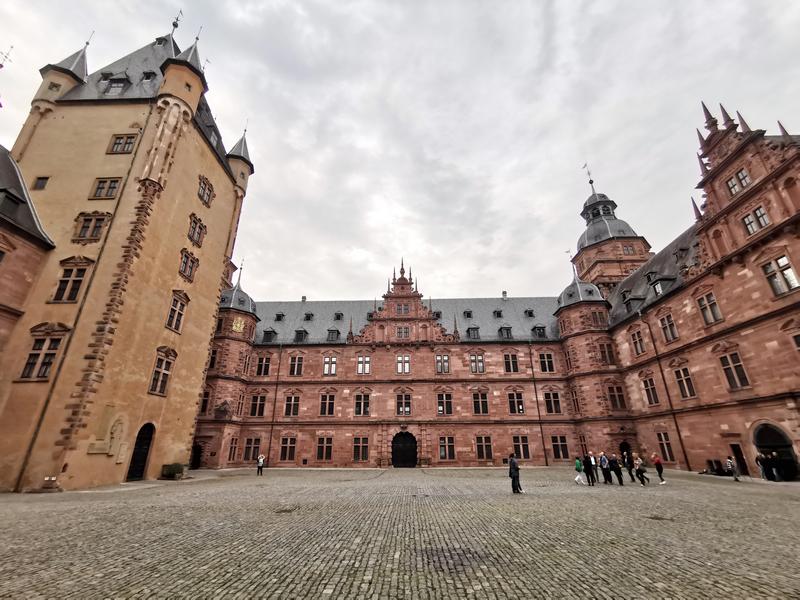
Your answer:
<point x="770" y="466"/>
<point x="590" y="466"/>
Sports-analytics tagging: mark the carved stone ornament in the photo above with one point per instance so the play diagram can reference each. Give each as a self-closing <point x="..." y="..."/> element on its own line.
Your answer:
<point x="238" y="325"/>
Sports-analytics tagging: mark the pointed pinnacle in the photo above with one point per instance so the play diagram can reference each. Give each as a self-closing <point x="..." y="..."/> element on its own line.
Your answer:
<point x="703" y="165"/>
<point x="700" y="138"/>
<point x="711" y="121"/>
<point x="697" y="214"/>
<point x="784" y="133"/>
<point x="742" y="123"/>
<point x="726" y="118"/>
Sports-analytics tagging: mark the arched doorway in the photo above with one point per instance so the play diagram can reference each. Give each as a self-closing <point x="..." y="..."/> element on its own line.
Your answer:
<point x="624" y="447"/>
<point x="197" y="456"/>
<point x="768" y="439"/>
<point x="141" y="450"/>
<point x="404" y="450"/>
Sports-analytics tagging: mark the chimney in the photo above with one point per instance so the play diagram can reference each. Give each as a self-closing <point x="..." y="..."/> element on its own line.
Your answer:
<point x="505" y="295"/>
<point x="303" y="299"/>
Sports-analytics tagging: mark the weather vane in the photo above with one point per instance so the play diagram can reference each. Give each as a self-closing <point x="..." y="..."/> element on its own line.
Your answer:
<point x="589" y="174"/>
<point x="176" y="21"/>
<point x="5" y="57"/>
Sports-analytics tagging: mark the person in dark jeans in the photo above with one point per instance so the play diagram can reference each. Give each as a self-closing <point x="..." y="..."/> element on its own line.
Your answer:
<point x="589" y="470"/>
<point x="638" y="464"/>
<point x="613" y="464"/>
<point x="513" y="472"/>
<point x="627" y="460"/>
<point x="656" y="460"/>
<point x="605" y="469"/>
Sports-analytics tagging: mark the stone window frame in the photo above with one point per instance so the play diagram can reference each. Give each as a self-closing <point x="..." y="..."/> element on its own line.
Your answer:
<point x="258" y="402"/>
<point x="206" y="399"/>
<point x="510" y="361"/>
<point x="447" y="448"/>
<point x="477" y="361"/>
<point x="47" y="343"/>
<point x="521" y="446"/>
<point x="122" y="143"/>
<point x="484" y="447"/>
<point x="263" y="363"/>
<point x="606" y="353"/>
<point x="295" y="364"/>
<point x="730" y="359"/>
<point x="665" y="446"/>
<point x="549" y="362"/>
<point x="205" y="190"/>
<point x="40" y="183"/>
<point x="402" y="363"/>
<point x="403" y="332"/>
<point x="441" y="361"/>
<point x="330" y="362"/>
<point x="291" y="402"/>
<point x="444" y="400"/>
<point x="74" y="271"/>
<point x="177" y="314"/>
<point x="551" y="396"/>
<point x="559" y="446"/>
<point x="333" y="335"/>
<point x="669" y="329"/>
<point x="778" y="273"/>
<point x="327" y="402"/>
<point x="188" y="265"/>
<point x="197" y="230"/>
<point x="103" y="185"/>
<point x="162" y="371"/>
<point x="404" y="401"/>
<point x="683" y="378"/>
<point x="361" y="402"/>
<point x="252" y="448"/>
<point x="649" y="388"/>
<point x="473" y="333"/>
<point x="708" y="307"/>
<point x="89" y="221"/>
<point x="637" y="342"/>
<point x="288" y="448"/>
<point x="233" y="449"/>
<point x="324" y="448"/>
<point x="360" y="448"/>
<point x="480" y="400"/>
<point x="516" y="400"/>
<point x="363" y="363"/>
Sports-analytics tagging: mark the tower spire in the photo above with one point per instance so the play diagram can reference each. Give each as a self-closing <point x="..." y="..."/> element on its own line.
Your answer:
<point x="703" y="165"/>
<point x="700" y="138"/>
<point x="745" y="127"/>
<point x="239" y="278"/>
<point x="785" y="134"/>
<point x="726" y="118"/>
<point x="711" y="121"/>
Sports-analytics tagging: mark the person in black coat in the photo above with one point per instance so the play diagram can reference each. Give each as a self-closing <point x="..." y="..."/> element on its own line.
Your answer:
<point x="513" y="472"/>
<point x="587" y="468"/>
<point x="627" y="460"/>
<point x="613" y="464"/>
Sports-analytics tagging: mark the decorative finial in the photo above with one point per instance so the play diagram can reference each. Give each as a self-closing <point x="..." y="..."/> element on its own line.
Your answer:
<point x="388" y="285"/>
<point x="402" y="268"/>
<point x="197" y="37"/>
<point x="205" y="62"/>
<point x="785" y="134"/>
<point x="742" y="123"/>
<point x="176" y="21"/>
<point x="455" y="324"/>
<point x="697" y="214"/>
<point x="350" y="331"/>
<point x="239" y="278"/>
<point x="703" y="165"/>
<point x="394" y="275"/>
<point x="726" y="118"/>
<point x="89" y="39"/>
<point x="589" y="174"/>
<point x="711" y="121"/>
<point x="700" y="138"/>
<point x="246" y="123"/>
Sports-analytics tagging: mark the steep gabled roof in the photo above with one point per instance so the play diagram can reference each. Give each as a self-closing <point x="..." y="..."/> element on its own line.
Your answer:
<point x="240" y="151"/>
<point x="189" y="58"/>
<point x="16" y="207"/>
<point x="74" y="65"/>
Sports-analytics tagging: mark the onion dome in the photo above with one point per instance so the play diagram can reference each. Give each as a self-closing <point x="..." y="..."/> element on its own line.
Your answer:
<point x="601" y="222"/>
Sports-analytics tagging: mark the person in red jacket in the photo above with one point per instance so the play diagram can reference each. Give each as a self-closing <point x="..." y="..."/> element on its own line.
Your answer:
<point x="659" y="467"/>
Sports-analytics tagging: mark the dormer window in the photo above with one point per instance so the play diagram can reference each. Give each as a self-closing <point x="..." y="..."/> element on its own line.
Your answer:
<point x="625" y="295"/>
<point x="606" y="210"/>
<point x="308" y="317"/>
<point x="467" y="314"/>
<point x="333" y="335"/>
<point x="498" y="314"/>
<point x="213" y="138"/>
<point x="539" y="331"/>
<point x="529" y="313"/>
<point x="338" y="316"/>
<point x="279" y="316"/>
<point x="505" y="333"/>
<point x="160" y="41"/>
<point x="658" y="289"/>
<point x="115" y="87"/>
<point x="269" y="335"/>
<point x="105" y="76"/>
<point x="370" y="314"/>
<point x="650" y="276"/>
<point x="148" y="76"/>
<point x="437" y="314"/>
<point x="300" y="335"/>
<point x="473" y="333"/>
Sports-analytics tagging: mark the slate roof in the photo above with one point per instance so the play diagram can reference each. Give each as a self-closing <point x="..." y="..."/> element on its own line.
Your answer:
<point x="240" y="150"/>
<point x="74" y="65"/>
<point x="579" y="291"/>
<point x="141" y="73"/>
<point x="16" y="207"/>
<point x="605" y="228"/>
<point x="666" y="267"/>
<point x="513" y="315"/>
<point x="238" y="299"/>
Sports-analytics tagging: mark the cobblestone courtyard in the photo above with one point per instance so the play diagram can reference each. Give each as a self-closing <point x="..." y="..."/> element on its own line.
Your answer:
<point x="404" y="534"/>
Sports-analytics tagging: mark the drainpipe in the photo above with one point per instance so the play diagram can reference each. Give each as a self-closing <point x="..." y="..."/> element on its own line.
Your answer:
<point x="536" y="398"/>
<point x="275" y="404"/>
<point x="666" y="388"/>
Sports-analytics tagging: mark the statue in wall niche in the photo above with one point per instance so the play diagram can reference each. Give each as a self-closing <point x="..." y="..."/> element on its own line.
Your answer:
<point x="115" y="436"/>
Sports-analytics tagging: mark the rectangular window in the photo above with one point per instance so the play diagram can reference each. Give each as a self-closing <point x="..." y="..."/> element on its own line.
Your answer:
<point x="362" y="405"/>
<point x="233" y="449"/>
<point x="197" y="230"/>
<point x="780" y="275"/>
<point x="325" y="448"/>
<point x="505" y="333"/>
<point x="161" y="373"/>
<point x="483" y="444"/>
<point x="584" y="446"/>
<point x="650" y="391"/>
<point x="510" y="362"/>
<point x="188" y="265"/>
<point x="665" y="446"/>
<point x="403" y="333"/>
<point x="403" y="309"/>
<point x="559" y="443"/>
<point x="251" y="448"/>
<point x="333" y="335"/>
<point x="447" y="448"/>
<point x="329" y="365"/>
<point x="743" y="177"/>
<point x="105" y="188"/>
<point x="685" y="385"/>
<point x="576" y="405"/>
<point x="668" y="328"/>
<point x="480" y="403"/>
<point x="91" y="227"/>
<point x="240" y="405"/>
<point x="292" y="406"/>
<point x="797" y="341"/>
<point x="326" y="405"/>
<point x="175" y="315"/>
<point x="638" y="343"/>
<point x="761" y="216"/>
<point x="599" y="319"/>
<point x="733" y="186"/>
<point x="552" y="403"/>
<point x="257" y="404"/>
<point x="709" y="309"/>
<point x="360" y="449"/>
<point x="212" y="362"/>
<point x="476" y="363"/>
<point x="734" y="371"/>
<point x="288" y="445"/>
<point x="442" y="363"/>
<point x="403" y="364"/>
<point x="69" y="285"/>
<point x="749" y="222"/>
<point x="41" y="358"/>
<point x="363" y="365"/>
<point x="122" y="144"/>
<point x="606" y="354"/>
<point x="616" y="397"/>
<point x="521" y="448"/>
<point x="515" y="404"/>
<point x="627" y="250"/>
<point x="546" y="363"/>
<point x="296" y="366"/>
<point x="40" y="183"/>
<point x="473" y="333"/>
<point x="262" y="366"/>
<point x="205" y="191"/>
<point x="403" y="404"/>
<point x="444" y="404"/>
<point x="205" y="402"/>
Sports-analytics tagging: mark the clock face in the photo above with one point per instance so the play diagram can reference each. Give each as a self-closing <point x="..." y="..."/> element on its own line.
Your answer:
<point x="238" y="325"/>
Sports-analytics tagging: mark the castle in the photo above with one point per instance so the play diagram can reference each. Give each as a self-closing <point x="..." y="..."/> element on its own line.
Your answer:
<point x="691" y="352"/>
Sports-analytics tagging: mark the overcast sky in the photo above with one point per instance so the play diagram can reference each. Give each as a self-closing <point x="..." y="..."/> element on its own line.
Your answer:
<point x="451" y="133"/>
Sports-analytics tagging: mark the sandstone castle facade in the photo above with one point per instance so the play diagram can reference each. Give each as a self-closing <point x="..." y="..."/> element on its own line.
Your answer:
<point x="110" y="284"/>
<point x="692" y="352"/>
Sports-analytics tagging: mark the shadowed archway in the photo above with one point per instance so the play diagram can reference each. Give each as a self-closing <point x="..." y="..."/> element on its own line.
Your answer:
<point x="768" y="439"/>
<point x="404" y="450"/>
<point x="141" y="451"/>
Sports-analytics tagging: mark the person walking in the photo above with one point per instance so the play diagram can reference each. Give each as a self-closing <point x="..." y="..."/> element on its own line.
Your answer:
<point x="613" y="464"/>
<point x="659" y="467"/>
<point x="513" y="472"/>
<point x="260" y="464"/>
<point x="579" y="469"/>
<point x="627" y="460"/>
<point x="588" y="469"/>
<point x="638" y="464"/>
<point x="730" y="466"/>
<point x="594" y="465"/>
<point x="760" y="463"/>
<point x="606" y="469"/>
<point x="775" y="462"/>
